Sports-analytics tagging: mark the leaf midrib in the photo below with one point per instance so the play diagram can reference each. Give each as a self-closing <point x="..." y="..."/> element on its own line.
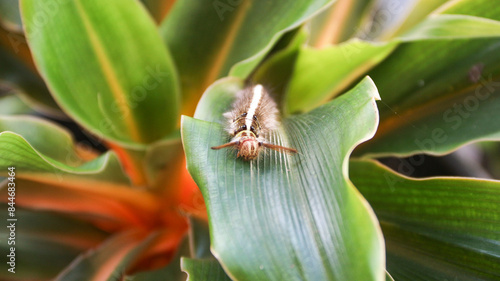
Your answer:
<point x="113" y="82"/>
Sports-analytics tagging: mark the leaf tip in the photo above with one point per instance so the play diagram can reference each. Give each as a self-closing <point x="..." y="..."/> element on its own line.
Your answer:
<point x="369" y="83"/>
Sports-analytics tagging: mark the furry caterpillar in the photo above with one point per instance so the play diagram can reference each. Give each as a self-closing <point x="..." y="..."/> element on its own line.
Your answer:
<point x="253" y="116"/>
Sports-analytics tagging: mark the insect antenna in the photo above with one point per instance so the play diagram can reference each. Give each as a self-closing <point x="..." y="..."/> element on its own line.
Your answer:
<point x="278" y="147"/>
<point x="225" y="145"/>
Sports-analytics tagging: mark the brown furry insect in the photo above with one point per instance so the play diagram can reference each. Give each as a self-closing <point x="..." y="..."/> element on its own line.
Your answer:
<point x="254" y="115"/>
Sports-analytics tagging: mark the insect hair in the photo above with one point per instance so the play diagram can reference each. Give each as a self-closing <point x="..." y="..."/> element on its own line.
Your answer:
<point x="266" y="112"/>
<point x="253" y="116"/>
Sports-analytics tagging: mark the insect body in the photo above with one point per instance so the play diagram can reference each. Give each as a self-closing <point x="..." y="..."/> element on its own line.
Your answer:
<point x="253" y="116"/>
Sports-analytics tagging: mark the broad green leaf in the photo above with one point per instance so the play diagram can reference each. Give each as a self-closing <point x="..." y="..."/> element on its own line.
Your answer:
<point x="276" y="70"/>
<point x="110" y="261"/>
<point x="159" y="155"/>
<point x="320" y="74"/>
<point x="479" y="8"/>
<point x="17" y="72"/>
<point x="452" y="26"/>
<point x="106" y="66"/>
<point x="46" y="137"/>
<point x="153" y="164"/>
<point x="45" y="243"/>
<point x="289" y="217"/>
<point x="388" y="19"/>
<point x="437" y="228"/>
<point x="343" y="64"/>
<point x="10" y="17"/>
<point x="338" y="23"/>
<point x="38" y="147"/>
<point x="211" y="39"/>
<point x="201" y="265"/>
<point x="211" y="106"/>
<point x="203" y="269"/>
<point x="436" y="107"/>
<point x="199" y="238"/>
<point x="13" y="105"/>
<point x="56" y="178"/>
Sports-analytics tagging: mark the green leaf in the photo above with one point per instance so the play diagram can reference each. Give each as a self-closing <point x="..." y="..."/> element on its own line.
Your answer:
<point x="10" y="17"/>
<point x="478" y="8"/>
<point x="13" y="105"/>
<point x="159" y="155"/>
<point x="203" y="269"/>
<point x="211" y="106"/>
<point x="341" y="65"/>
<point x="211" y="39"/>
<point x="388" y="277"/>
<point x="153" y="164"/>
<point x="276" y="70"/>
<point x="125" y="89"/>
<point x="37" y="147"/>
<point x="320" y="74"/>
<point x="340" y="22"/>
<point x="436" y="107"/>
<point x="53" y="176"/>
<point x="199" y="238"/>
<point x="46" y="137"/>
<point x="435" y="229"/>
<point x="201" y="265"/>
<point x="388" y="19"/>
<point x="45" y="243"/>
<point x="289" y="217"/>
<point x="452" y="26"/>
<point x="16" y="73"/>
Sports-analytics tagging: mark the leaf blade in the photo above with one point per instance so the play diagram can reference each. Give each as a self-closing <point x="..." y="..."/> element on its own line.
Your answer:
<point x="237" y="193"/>
<point x="434" y="104"/>
<point x="53" y="174"/>
<point x="128" y="96"/>
<point x="435" y="228"/>
<point x="203" y="269"/>
<point x="17" y="71"/>
<point x="213" y="39"/>
<point x="452" y="26"/>
<point x="338" y="66"/>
